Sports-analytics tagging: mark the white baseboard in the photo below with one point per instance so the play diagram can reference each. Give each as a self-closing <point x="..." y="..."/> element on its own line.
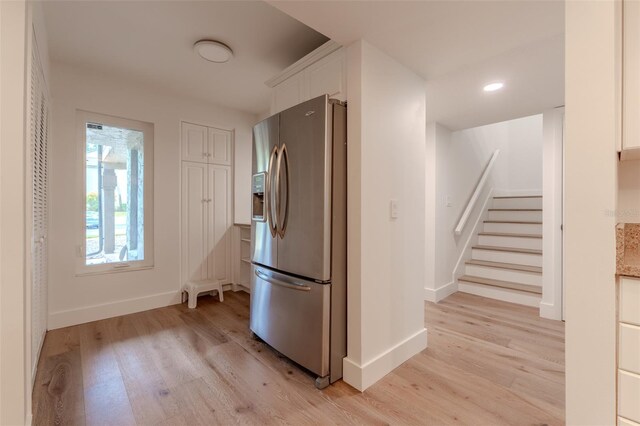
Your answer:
<point x="240" y="287"/>
<point x="363" y="376"/>
<point x="107" y="310"/>
<point x="436" y="295"/>
<point x="550" y="311"/>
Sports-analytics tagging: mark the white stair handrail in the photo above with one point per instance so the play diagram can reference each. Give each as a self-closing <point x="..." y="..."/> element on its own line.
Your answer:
<point x="476" y="193"/>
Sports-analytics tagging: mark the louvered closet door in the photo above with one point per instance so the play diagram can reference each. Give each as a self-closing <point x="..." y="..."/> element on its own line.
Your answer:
<point x="39" y="134"/>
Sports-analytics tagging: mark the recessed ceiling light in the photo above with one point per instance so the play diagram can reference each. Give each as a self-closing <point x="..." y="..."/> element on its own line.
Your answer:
<point x="492" y="87"/>
<point x="213" y="51"/>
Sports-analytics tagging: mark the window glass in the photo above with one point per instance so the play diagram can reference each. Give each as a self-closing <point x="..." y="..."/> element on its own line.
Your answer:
<point x="114" y="194"/>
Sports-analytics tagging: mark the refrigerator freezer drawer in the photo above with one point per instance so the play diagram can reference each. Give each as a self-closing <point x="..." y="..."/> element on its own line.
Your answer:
<point x="292" y="316"/>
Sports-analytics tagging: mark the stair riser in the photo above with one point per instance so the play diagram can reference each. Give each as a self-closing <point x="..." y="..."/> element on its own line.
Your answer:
<point x="522" y="298"/>
<point x="513" y="228"/>
<point x="516" y="242"/>
<point x="507" y="257"/>
<point x="501" y="274"/>
<point x="512" y="215"/>
<point x="517" y="203"/>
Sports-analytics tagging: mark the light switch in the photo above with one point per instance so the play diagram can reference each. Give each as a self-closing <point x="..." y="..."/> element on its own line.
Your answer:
<point x="393" y="209"/>
<point x="447" y="201"/>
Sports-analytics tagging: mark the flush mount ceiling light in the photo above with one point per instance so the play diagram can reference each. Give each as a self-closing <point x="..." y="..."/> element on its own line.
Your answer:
<point x="492" y="87"/>
<point x="213" y="51"/>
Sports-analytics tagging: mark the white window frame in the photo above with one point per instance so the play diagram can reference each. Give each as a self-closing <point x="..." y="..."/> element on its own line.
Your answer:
<point x="82" y="118"/>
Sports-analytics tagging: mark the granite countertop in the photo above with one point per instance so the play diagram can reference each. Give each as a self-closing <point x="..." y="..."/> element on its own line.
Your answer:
<point x="628" y="249"/>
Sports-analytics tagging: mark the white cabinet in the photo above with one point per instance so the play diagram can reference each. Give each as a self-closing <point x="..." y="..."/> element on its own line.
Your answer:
<point x="630" y="301"/>
<point x="206" y="188"/>
<point x="288" y="93"/>
<point x="242" y="257"/>
<point x="631" y="79"/>
<point x="194" y="221"/>
<point x="194" y="142"/>
<point x="629" y="350"/>
<point x="328" y="76"/>
<point x="206" y="144"/>
<point x="206" y="222"/>
<point x="323" y="71"/>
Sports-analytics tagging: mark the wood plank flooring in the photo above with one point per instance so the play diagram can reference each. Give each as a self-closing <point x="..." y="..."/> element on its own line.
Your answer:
<point x="488" y="363"/>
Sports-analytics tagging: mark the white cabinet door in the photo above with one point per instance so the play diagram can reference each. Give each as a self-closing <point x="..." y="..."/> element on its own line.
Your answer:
<point x="328" y="76"/>
<point x="194" y="221"/>
<point x="630" y="300"/>
<point x="219" y="150"/>
<point x="629" y="348"/>
<point x="194" y="142"/>
<point x="631" y="75"/>
<point x="219" y="223"/>
<point x="629" y="395"/>
<point x="288" y="93"/>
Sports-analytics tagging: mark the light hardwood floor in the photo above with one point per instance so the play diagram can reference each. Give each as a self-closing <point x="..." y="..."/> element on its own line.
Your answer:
<point x="488" y="363"/>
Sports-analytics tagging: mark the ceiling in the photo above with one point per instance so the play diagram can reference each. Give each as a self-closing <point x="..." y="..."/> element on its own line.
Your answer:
<point x="152" y="42"/>
<point x="458" y="46"/>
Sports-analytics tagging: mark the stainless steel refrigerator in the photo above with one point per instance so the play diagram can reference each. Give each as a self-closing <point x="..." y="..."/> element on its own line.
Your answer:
<point x="298" y="229"/>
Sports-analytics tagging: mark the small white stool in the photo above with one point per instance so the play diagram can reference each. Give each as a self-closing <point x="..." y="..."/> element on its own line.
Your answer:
<point x="194" y="288"/>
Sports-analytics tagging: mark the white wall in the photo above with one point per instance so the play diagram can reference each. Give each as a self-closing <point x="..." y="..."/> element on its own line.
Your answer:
<point x="519" y="166"/>
<point x="75" y="299"/>
<point x="14" y="333"/>
<point x="459" y="158"/>
<point x="386" y="155"/>
<point x="590" y="187"/>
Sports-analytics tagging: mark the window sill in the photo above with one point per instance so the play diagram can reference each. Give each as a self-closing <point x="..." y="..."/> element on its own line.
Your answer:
<point x="114" y="270"/>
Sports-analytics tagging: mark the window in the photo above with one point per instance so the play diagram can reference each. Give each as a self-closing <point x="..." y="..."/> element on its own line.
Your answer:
<point x="117" y="189"/>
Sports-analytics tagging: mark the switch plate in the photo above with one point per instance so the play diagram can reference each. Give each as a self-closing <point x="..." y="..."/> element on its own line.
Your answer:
<point x="393" y="208"/>
<point x="447" y="201"/>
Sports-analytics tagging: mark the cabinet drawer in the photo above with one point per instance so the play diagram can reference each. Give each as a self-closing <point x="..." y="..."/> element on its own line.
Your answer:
<point x="629" y="395"/>
<point x="629" y="348"/>
<point x="630" y="301"/>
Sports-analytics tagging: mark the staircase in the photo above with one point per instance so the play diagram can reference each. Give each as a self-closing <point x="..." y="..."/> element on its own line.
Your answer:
<point x="506" y="264"/>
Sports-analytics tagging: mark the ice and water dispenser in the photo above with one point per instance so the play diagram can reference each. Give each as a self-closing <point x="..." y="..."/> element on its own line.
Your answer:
<point x="258" y="184"/>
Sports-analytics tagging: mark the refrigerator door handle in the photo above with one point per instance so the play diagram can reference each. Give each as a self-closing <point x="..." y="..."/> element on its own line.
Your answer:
<point x="283" y="155"/>
<point x="290" y="285"/>
<point x="273" y="226"/>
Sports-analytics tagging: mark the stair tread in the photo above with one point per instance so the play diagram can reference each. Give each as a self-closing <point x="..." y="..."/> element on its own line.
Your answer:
<point x="501" y="265"/>
<point x="510" y="249"/>
<point x="513" y="221"/>
<point x="515" y="210"/>
<point x="509" y="234"/>
<point x="502" y="284"/>
<point x="517" y="196"/>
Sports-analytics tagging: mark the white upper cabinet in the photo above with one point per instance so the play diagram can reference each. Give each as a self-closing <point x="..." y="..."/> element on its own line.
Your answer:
<point x="219" y="149"/>
<point x="631" y="79"/>
<point x="322" y="71"/>
<point x="194" y="143"/>
<point x="204" y="144"/>
<point x="328" y="76"/>
<point x="288" y="93"/>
